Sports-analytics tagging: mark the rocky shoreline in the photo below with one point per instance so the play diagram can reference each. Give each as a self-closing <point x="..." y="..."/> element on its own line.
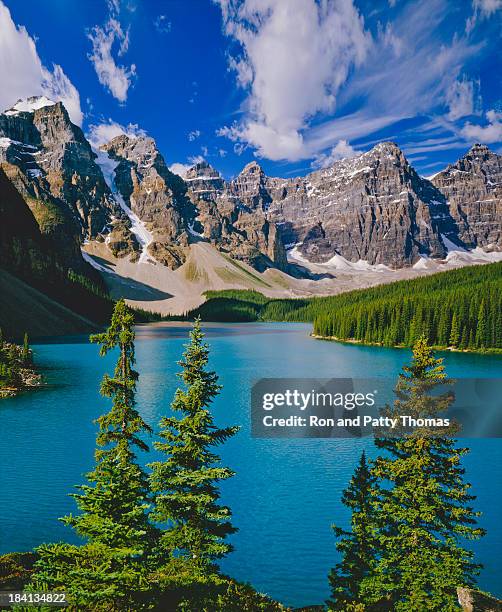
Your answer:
<point x="18" y="373"/>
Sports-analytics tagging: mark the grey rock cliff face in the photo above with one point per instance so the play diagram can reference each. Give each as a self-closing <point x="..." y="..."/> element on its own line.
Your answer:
<point x="154" y="193"/>
<point x="373" y="207"/>
<point x="57" y="161"/>
<point x="473" y="188"/>
<point x="231" y="216"/>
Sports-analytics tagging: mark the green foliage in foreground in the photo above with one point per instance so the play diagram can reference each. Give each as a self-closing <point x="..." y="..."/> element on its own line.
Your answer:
<point x="185" y="483"/>
<point x="411" y="513"/>
<point x="359" y="546"/>
<point x="150" y="543"/>
<point x="15" y="570"/>
<point x="119" y="538"/>
<point x="458" y="308"/>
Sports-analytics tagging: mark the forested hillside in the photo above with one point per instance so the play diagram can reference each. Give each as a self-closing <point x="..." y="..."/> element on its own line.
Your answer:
<point x="459" y="308"/>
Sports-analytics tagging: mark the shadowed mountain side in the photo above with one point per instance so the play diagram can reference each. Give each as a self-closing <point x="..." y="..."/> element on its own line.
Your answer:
<point x="129" y="288"/>
<point x="159" y="289"/>
<point x="23" y="308"/>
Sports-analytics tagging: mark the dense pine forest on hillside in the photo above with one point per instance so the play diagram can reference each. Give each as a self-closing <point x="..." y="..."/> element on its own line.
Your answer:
<point x="459" y="308"/>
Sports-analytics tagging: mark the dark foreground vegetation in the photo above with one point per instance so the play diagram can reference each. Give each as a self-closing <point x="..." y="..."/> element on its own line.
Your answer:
<point x="461" y="309"/>
<point x="152" y="538"/>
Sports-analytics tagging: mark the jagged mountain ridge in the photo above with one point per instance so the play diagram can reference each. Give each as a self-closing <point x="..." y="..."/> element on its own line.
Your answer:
<point x="373" y="207"/>
<point x="473" y="188"/>
<point x="51" y="164"/>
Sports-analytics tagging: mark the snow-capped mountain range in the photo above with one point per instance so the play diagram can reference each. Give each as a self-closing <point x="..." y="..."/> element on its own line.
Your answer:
<point x="367" y="212"/>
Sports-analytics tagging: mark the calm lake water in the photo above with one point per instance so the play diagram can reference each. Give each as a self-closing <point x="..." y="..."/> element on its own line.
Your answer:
<point x="286" y="493"/>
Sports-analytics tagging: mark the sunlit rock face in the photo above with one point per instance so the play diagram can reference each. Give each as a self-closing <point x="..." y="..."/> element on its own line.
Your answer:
<point x="473" y="188"/>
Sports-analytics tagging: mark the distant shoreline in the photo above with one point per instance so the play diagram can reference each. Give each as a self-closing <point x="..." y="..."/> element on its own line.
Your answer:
<point x="451" y="349"/>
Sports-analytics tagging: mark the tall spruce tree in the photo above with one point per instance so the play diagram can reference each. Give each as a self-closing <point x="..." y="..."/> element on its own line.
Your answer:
<point x="27" y="355"/>
<point x="185" y="483"/>
<point x="109" y="571"/>
<point x="359" y="546"/>
<point x="426" y="502"/>
<point x="454" y="333"/>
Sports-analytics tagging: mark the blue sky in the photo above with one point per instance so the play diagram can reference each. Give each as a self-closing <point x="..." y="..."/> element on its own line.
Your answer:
<point x="295" y="84"/>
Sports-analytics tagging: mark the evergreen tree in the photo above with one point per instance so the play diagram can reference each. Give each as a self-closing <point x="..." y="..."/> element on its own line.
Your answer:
<point x="109" y="572"/>
<point x="426" y="504"/>
<point x="185" y="483"/>
<point x="359" y="546"/>
<point x="455" y="333"/>
<point x="481" y="327"/>
<point x="26" y="350"/>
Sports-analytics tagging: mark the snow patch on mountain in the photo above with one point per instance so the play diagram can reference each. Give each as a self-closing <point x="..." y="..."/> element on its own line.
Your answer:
<point x="97" y="266"/>
<point x="29" y="105"/>
<point x="337" y="262"/>
<point x="457" y="256"/>
<point x="450" y="246"/>
<point x="138" y="228"/>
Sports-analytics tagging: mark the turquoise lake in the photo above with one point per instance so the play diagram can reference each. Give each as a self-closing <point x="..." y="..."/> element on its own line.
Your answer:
<point x="286" y="493"/>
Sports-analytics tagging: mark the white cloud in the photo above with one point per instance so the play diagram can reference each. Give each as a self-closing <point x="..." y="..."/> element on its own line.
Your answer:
<point x="303" y="97"/>
<point x="196" y="159"/>
<point x="162" y="25"/>
<point x="23" y="73"/>
<point x="102" y="133"/>
<point x="461" y="99"/>
<point x="416" y="81"/>
<point x="117" y="79"/>
<point x="180" y="169"/>
<point x="487" y="7"/>
<point x="193" y="135"/>
<point x="490" y="133"/>
<point x="342" y="150"/>
<point x="483" y="9"/>
<point x="294" y="57"/>
<point x="57" y="86"/>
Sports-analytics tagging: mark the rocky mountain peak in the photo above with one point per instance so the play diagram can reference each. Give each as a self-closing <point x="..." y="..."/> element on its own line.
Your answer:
<point x="473" y="188"/>
<point x="253" y="168"/>
<point x="477" y="147"/>
<point x="387" y="147"/>
<point x="140" y="149"/>
<point x="202" y="169"/>
<point x="387" y="151"/>
<point x="479" y="152"/>
<point x="56" y="163"/>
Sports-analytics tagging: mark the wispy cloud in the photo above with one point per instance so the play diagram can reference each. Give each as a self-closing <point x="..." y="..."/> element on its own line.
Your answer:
<point x="103" y="132"/>
<point x="342" y="150"/>
<point x="23" y="73"/>
<point x="487" y="7"/>
<point x="462" y="99"/>
<point x="293" y="58"/>
<point x="107" y="40"/>
<point x="180" y="169"/>
<point x="196" y="159"/>
<point x="488" y="133"/>
<point x="193" y="135"/>
<point x="314" y="75"/>
<point x="162" y="24"/>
